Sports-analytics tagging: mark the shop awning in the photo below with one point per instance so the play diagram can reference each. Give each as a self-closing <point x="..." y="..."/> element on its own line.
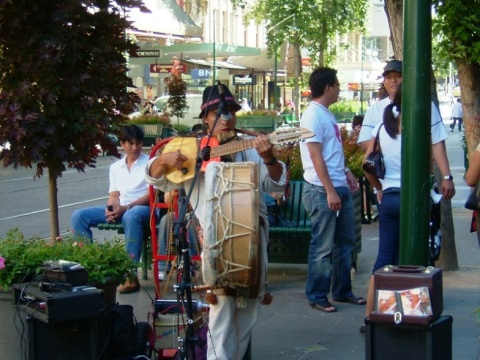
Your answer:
<point x="166" y="18"/>
<point x="261" y="61"/>
<point x="218" y="64"/>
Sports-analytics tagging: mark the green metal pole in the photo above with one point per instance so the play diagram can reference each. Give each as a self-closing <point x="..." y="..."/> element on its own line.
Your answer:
<point x="275" y="79"/>
<point x="214" y="49"/>
<point x="416" y="143"/>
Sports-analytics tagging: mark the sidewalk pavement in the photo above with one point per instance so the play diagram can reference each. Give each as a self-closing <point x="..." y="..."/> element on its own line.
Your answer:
<point x="290" y="329"/>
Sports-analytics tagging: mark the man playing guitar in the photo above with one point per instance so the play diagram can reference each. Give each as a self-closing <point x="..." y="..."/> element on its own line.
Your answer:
<point x="230" y="326"/>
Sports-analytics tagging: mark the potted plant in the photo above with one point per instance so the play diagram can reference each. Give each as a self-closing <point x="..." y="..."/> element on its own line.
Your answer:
<point x="257" y="120"/>
<point x="22" y="259"/>
<point x="152" y="126"/>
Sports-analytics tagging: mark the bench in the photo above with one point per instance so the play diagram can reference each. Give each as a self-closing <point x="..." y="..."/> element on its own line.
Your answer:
<point x="146" y="242"/>
<point x="291" y="244"/>
<point x="256" y="123"/>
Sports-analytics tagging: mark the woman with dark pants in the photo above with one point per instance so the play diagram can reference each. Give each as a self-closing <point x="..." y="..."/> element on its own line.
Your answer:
<point x="388" y="188"/>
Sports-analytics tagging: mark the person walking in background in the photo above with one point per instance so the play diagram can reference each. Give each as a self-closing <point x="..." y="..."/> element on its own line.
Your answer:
<point x="327" y="197"/>
<point x="457" y="114"/>
<point x="245" y="106"/>
<point x="128" y="200"/>
<point x="388" y="189"/>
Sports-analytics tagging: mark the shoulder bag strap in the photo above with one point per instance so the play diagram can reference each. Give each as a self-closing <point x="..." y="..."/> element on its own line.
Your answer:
<point x="377" y="139"/>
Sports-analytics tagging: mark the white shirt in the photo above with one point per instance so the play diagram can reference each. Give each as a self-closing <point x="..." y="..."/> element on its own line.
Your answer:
<point x="374" y="116"/>
<point x="323" y="123"/>
<point x="392" y="150"/>
<point x="131" y="184"/>
<point x="457" y="110"/>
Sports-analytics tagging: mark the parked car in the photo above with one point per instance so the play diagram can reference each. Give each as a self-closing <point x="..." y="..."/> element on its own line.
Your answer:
<point x="194" y="101"/>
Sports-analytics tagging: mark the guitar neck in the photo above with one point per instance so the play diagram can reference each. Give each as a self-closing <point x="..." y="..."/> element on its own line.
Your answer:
<point x="232" y="147"/>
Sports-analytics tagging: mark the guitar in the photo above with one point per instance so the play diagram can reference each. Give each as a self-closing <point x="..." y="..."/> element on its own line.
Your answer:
<point x="189" y="147"/>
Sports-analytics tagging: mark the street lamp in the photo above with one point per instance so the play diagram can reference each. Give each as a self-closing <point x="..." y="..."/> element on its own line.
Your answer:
<point x="276" y="59"/>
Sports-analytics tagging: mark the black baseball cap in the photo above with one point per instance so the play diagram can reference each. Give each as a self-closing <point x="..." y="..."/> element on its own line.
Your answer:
<point x="392" y="65"/>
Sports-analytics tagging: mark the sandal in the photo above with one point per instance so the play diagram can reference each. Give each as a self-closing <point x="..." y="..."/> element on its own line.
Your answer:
<point x="355" y="300"/>
<point x="324" y="306"/>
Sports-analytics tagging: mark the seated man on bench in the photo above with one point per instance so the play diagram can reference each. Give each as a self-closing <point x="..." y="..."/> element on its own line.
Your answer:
<point x="128" y="200"/>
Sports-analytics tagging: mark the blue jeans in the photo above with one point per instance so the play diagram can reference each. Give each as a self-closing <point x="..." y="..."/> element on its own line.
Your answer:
<point x="133" y="222"/>
<point x="331" y="246"/>
<point x="389" y="218"/>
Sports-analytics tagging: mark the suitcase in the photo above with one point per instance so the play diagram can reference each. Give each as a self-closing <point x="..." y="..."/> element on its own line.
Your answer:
<point x="408" y="341"/>
<point x="407" y="294"/>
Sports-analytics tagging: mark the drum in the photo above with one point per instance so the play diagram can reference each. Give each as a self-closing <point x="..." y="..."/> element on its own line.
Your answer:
<point x="232" y="235"/>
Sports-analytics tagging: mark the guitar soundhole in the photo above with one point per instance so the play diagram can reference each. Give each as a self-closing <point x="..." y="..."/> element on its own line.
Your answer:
<point x="184" y="171"/>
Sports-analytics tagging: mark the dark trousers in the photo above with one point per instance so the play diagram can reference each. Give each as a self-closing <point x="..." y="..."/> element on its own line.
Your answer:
<point x="454" y="121"/>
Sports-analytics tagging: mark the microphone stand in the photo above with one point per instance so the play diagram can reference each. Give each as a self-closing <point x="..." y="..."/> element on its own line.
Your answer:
<point x="184" y="289"/>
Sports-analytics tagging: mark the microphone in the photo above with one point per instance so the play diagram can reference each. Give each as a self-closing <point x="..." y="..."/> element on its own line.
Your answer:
<point x="223" y="108"/>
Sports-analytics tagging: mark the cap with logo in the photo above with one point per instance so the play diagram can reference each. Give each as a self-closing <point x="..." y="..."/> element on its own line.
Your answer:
<point x="392" y="65"/>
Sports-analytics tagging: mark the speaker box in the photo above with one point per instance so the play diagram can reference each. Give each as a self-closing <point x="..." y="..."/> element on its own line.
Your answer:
<point x="75" y="340"/>
<point x="408" y="341"/>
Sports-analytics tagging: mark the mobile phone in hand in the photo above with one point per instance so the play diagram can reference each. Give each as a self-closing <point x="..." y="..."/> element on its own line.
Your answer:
<point x="110" y="207"/>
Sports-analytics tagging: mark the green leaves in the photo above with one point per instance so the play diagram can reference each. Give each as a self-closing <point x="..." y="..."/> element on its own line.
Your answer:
<point x="24" y="257"/>
<point x="316" y="23"/>
<point x="456" y="25"/>
<point x="66" y="80"/>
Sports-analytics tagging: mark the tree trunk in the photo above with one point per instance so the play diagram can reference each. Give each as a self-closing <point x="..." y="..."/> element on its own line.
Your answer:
<point x="469" y="76"/>
<point x="53" y="191"/>
<point x="394" y="11"/>
<point x="448" y="260"/>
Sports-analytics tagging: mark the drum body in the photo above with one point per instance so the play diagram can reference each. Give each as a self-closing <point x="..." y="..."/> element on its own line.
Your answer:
<point x="232" y="236"/>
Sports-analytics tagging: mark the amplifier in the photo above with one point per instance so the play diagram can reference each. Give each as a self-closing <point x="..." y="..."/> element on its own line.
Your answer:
<point x="58" y="306"/>
<point x="409" y="341"/>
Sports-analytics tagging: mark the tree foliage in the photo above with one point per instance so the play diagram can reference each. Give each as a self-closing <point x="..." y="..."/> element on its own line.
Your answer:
<point x="457" y="27"/>
<point x="317" y="23"/>
<point x="177" y="89"/>
<point x="63" y="82"/>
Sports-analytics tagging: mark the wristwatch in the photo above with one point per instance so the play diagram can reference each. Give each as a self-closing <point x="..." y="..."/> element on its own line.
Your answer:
<point x="448" y="177"/>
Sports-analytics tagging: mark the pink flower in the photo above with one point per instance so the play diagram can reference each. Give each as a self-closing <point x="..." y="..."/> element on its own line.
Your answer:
<point x="58" y="238"/>
<point x="2" y="263"/>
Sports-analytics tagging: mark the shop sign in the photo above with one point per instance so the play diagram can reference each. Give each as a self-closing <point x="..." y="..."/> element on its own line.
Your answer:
<point x="146" y="53"/>
<point x="167" y="68"/>
<point x="198" y="74"/>
<point x="244" y="80"/>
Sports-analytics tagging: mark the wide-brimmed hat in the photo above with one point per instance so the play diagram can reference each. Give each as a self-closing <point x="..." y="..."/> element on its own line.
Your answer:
<point x="211" y="99"/>
<point x="392" y="65"/>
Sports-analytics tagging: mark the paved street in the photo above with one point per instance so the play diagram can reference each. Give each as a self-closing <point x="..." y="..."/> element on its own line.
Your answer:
<point x="288" y="329"/>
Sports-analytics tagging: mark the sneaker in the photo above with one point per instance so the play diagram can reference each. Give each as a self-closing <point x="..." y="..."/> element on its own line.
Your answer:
<point x="161" y="276"/>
